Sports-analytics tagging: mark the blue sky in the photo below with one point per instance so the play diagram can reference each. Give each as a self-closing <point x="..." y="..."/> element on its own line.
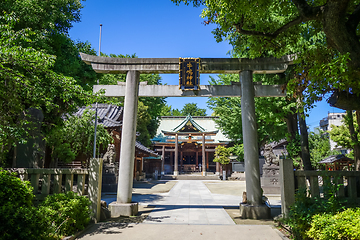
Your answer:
<point x="158" y="29"/>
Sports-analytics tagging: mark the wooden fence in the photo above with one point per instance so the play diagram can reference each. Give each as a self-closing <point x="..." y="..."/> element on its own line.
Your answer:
<point x="322" y="183"/>
<point x="318" y="183"/>
<point x="47" y="181"/>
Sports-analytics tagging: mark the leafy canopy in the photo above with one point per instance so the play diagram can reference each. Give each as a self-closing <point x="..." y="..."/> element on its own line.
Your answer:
<point x="324" y="34"/>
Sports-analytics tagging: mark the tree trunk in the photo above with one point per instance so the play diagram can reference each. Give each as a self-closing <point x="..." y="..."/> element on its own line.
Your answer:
<point x="292" y="125"/>
<point x="304" y="139"/>
<point x="354" y="138"/>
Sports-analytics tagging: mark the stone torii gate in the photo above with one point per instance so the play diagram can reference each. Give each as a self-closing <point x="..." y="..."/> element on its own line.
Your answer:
<point x="246" y="89"/>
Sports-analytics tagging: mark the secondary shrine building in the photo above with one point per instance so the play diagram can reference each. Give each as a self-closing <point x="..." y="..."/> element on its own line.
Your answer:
<point x="192" y="140"/>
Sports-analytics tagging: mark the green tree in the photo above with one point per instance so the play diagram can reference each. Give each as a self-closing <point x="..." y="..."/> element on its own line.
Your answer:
<point x="143" y="121"/>
<point x="323" y="34"/>
<point x="270" y="113"/>
<point x="193" y="110"/>
<point x="28" y="81"/>
<point x="77" y="137"/>
<point x="188" y="109"/>
<point x="222" y="155"/>
<point x="319" y="145"/>
<point x="168" y="111"/>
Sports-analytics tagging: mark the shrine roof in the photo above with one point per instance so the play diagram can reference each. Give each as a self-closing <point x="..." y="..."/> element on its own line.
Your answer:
<point x="108" y="115"/>
<point x="189" y="125"/>
<point x="336" y="158"/>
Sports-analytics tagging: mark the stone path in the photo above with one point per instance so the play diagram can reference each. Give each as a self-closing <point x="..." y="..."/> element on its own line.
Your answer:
<point x="191" y="202"/>
<point x="188" y="211"/>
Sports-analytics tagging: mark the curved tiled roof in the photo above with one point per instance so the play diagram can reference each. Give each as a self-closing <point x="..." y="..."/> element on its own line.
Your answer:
<point x="334" y="158"/>
<point x="111" y="116"/>
<point x="108" y="115"/>
<point x="141" y="147"/>
<point x="191" y="120"/>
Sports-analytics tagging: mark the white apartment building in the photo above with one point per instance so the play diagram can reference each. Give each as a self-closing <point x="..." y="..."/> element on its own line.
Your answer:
<point x="336" y="120"/>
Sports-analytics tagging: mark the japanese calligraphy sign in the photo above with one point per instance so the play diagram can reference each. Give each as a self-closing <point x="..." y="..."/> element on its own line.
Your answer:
<point x="189" y="76"/>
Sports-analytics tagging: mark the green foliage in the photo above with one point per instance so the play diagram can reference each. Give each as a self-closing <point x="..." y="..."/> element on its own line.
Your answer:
<point x="319" y="145"/>
<point x="22" y="223"/>
<point x="294" y="148"/>
<point x="19" y="218"/>
<point x="193" y="110"/>
<point x="343" y="225"/>
<point x="305" y="207"/>
<point x="341" y="134"/>
<point x="143" y="121"/>
<point x="270" y="112"/>
<point x="66" y="213"/>
<point x="29" y="81"/>
<point x="188" y="109"/>
<point x="13" y="191"/>
<point x="76" y="137"/>
<point x="222" y="155"/>
<point x="238" y="150"/>
<point x="325" y="41"/>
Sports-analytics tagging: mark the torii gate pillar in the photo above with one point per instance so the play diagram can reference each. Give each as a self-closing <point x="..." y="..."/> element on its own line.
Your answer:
<point x="254" y="208"/>
<point x="123" y="205"/>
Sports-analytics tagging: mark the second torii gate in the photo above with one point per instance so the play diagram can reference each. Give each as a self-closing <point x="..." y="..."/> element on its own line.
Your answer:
<point x="132" y="89"/>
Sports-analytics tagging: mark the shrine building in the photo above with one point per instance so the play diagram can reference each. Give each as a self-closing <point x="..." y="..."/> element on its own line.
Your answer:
<point x="190" y="140"/>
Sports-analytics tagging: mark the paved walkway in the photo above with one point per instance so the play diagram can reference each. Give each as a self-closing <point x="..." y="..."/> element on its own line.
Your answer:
<point x="191" y="202"/>
<point x="188" y="211"/>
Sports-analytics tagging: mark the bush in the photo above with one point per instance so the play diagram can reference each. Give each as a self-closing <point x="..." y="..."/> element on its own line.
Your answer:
<point x="13" y="191"/>
<point x="59" y="215"/>
<point x="22" y="222"/>
<point x="66" y="213"/>
<point x="19" y="218"/>
<point x="344" y="225"/>
<point x="301" y="213"/>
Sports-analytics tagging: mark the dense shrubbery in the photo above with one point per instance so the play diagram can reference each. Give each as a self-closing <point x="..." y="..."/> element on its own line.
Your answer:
<point x="19" y="218"/>
<point x="301" y="213"/>
<point x="322" y="218"/>
<point x="343" y="225"/>
<point x="59" y="215"/>
<point x="67" y="213"/>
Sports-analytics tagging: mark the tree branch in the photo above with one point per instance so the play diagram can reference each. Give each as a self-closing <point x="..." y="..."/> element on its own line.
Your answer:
<point x="354" y="19"/>
<point x="306" y="13"/>
<point x="239" y="28"/>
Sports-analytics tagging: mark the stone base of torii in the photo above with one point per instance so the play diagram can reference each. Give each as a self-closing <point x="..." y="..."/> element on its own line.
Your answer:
<point x="133" y="67"/>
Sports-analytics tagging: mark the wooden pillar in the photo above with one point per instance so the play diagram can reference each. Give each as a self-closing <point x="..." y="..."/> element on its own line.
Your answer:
<point x="135" y="167"/>
<point x="207" y="161"/>
<point x="203" y="156"/>
<point x="176" y="170"/>
<point x="196" y="159"/>
<point x="181" y="161"/>
<point x="163" y="160"/>
<point x="217" y="168"/>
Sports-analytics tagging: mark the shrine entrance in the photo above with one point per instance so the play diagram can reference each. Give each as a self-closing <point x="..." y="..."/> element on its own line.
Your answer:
<point x="188" y="147"/>
<point x="189" y="86"/>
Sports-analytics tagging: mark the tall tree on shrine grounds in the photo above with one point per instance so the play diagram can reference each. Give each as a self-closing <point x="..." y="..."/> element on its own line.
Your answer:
<point x="39" y="67"/>
<point x="323" y="34"/>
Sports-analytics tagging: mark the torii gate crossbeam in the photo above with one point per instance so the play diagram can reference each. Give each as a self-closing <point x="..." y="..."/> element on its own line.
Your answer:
<point x="133" y="67"/>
